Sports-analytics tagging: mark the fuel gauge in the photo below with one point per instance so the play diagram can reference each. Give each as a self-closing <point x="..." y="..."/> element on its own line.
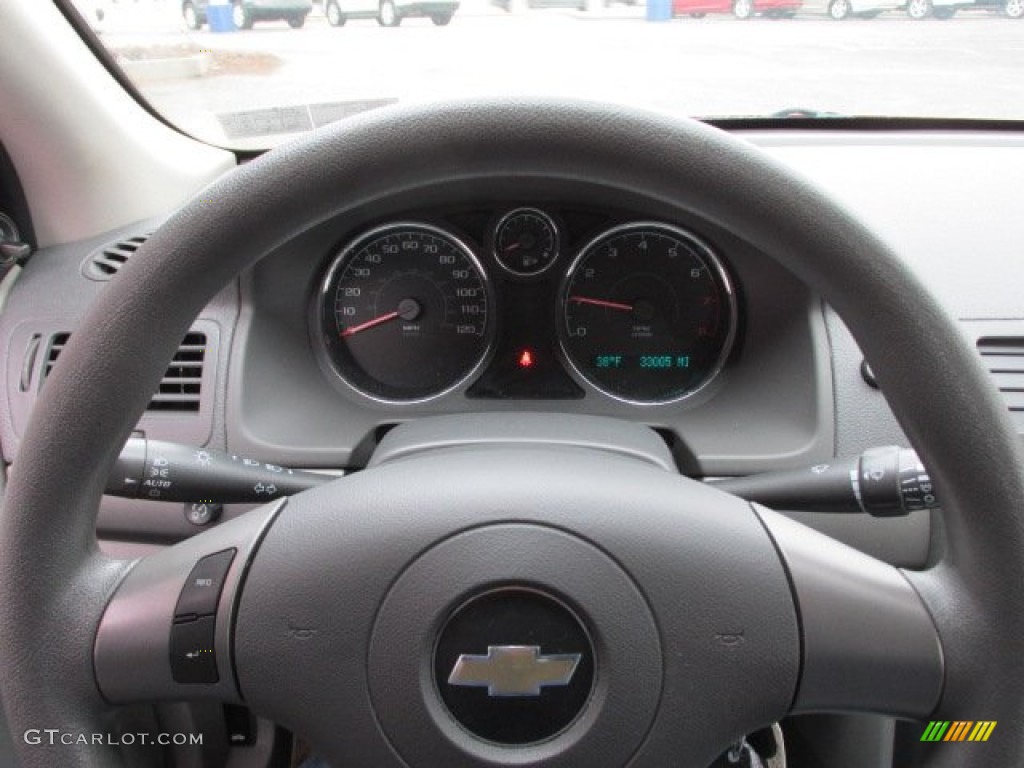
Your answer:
<point x="526" y="241"/>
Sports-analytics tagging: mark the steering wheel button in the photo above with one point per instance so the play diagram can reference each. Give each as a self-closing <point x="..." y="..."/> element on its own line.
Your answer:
<point x="193" y="659"/>
<point x="202" y="589"/>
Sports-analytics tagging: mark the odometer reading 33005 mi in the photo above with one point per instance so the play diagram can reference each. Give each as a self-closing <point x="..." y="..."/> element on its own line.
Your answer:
<point x="404" y="313"/>
<point x="647" y="313"/>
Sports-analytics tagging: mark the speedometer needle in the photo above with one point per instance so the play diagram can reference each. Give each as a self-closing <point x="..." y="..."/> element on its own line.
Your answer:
<point x="354" y="329"/>
<point x="602" y="303"/>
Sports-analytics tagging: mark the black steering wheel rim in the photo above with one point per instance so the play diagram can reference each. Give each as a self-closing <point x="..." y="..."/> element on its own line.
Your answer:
<point x="114" y="361"/>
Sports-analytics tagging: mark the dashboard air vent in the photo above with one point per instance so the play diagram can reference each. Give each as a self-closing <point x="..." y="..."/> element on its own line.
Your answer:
<point x="1004" y="357"/>
<point x="105" y="262"/>
<point x="181" y="386"/>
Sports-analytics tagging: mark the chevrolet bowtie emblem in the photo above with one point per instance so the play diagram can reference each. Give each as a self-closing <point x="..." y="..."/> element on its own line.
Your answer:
<point x="514" y="670"/>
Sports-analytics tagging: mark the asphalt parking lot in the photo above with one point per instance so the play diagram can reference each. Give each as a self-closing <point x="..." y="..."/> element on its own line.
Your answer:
<point x="970" y="66"/>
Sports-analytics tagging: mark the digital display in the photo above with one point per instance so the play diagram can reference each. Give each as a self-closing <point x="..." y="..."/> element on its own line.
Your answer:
<point x="650" y="362"/>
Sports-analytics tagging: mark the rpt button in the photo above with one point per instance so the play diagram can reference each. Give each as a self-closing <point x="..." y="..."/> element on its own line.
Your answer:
<point x="202" y="589"/>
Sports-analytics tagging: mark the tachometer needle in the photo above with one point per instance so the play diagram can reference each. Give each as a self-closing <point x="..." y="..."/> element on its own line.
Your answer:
<point x="602" y="303"/>
<point x="352" y="330"/>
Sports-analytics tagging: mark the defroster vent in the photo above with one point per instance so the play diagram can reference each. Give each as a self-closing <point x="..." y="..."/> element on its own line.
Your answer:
<point x="105" y="262"/>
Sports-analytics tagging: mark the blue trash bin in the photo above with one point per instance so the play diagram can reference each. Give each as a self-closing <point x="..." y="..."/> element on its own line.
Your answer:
<point x="219" y="17"/>
<point x="659" y="10"/>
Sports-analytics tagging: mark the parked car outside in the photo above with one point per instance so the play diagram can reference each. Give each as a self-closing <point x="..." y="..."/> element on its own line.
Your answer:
<point x="1011" y="9"/>
<point x="245" y="13"/>
<point x="741" y="9"/>
<point x="937" y="9"/>
<point x="844" y="9"/>
<point x="389" y="13"/>
<point x="582" y="5"/>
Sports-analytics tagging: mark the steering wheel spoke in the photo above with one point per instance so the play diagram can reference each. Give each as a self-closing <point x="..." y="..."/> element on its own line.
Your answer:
<point x="167" y="632"/>
<point x="869" y="643"/>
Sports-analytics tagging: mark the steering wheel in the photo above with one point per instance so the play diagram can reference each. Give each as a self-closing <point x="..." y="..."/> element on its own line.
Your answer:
<point x="642" y="618"/>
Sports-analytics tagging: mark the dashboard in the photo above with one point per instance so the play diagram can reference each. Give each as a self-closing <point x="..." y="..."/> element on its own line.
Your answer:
<point x="774" y="379"/>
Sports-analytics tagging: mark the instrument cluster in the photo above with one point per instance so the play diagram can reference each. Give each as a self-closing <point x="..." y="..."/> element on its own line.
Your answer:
<point x="528" y="303"/>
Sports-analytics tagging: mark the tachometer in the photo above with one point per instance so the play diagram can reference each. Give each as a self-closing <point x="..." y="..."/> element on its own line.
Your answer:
<point x="405" y="313"/>
<point x="647" y="313"/>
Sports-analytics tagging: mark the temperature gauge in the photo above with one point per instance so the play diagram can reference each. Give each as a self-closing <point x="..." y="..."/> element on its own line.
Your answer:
<point x="526" y="241"/>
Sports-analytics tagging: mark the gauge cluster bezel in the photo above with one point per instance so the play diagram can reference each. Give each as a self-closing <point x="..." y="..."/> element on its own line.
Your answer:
<point x="476" y="233"/>
<point x="772" y="399"/>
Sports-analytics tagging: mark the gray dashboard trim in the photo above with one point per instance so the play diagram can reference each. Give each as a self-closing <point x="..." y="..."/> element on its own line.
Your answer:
<point x="478" y="430"/>
<point x="947" y="202"/>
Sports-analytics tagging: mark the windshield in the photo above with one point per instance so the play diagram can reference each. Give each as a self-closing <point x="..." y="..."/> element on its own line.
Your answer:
<point x="256" y="72"/>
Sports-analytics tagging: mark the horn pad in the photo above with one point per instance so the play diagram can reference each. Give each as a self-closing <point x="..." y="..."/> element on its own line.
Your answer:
<point x="517" y="644"/>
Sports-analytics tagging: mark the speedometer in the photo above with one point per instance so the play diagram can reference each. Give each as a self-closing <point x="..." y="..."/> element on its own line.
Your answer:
<point x="647" y="314"/>
<point x="405" y="313"/>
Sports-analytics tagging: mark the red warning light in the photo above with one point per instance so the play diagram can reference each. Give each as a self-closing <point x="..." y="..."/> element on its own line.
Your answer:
<point x="526" y="359"/>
